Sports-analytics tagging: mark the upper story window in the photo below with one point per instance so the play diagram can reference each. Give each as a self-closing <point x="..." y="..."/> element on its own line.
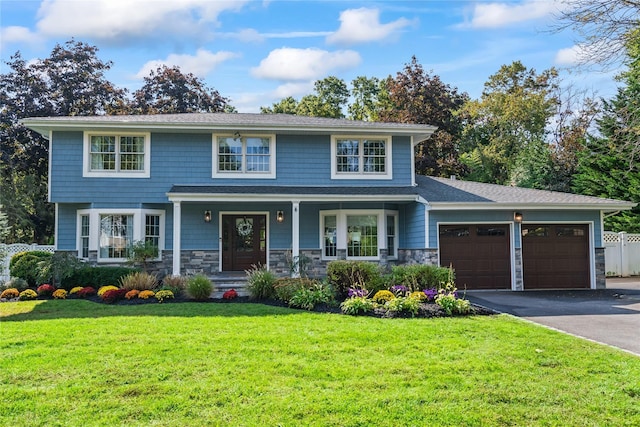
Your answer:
<point x="244" y="156"/>
<point x="117" y="155"/>
<point x="360" y="158"/>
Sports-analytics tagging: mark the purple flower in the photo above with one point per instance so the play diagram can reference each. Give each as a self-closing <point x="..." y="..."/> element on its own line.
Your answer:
<point x="357" y="293"/>
<point x="398" y="289"/>
<point x="430" y="293"/>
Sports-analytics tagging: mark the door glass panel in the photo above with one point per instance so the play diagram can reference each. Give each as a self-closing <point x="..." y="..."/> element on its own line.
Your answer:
<point x="535" y="231"/>
<point x="569" y="231"/>
<point x="244" y="233"/>
<point x="491" y="231"/>
<point x="454" y="231"/>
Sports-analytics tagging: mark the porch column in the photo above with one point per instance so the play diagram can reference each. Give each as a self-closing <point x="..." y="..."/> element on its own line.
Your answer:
<point x="177" y="220"/>
<point x="295" y="235"/>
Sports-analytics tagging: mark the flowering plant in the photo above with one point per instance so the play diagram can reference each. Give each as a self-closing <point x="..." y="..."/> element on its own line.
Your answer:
<point x="45" y="290"/>
<point x="399" y="289"/>
<point x="10" y="293"/>
<point x="417" y="295"/>
<point x="430" y="294"/>
<point x="28" y="294"/>
<point x="113" y="295"/>
<point x="163" y="295"/>
<point x="75" y="290"/>
<point x="104" y="289"/>
<point x="230" y="294"/>
<point x="383" y="296"/>
<point x="133" y="293"/>
<point x="60" y="294"/>
<point x="85" y="292"/>
<point x="146" y="294"/>
<point x="357" y="293"/>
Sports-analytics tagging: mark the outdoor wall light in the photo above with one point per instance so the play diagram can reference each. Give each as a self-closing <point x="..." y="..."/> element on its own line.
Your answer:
<point x="517" y="217"/>
<point x="207" y="216"/>
<point x="280" y="216"/>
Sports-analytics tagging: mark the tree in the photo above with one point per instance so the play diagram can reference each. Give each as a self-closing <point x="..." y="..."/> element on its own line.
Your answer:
<point x="70" y="82"/>
<point x="287" y="105"/>
<point x="167" y="91"/>
<point x="370" y="97"/>
<point x="331" y="95"/>
<point x="513" y="111"/>
<point x="609" y="166"/>
<point x="604" y="27"/>
<point x="414" y="96"/>
<point x="4" y="225"/>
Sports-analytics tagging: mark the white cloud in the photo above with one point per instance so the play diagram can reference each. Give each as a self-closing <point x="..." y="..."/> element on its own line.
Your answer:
<point x="289" y="64"/>
<point x="568" y="56"/>
<point x="292" y="89"/>
<point x="121" y="19"/>
<point x="16" y="34"/>
<point x="363" y="25"/>
<point x="497" y="15"/>
<point x="200" y="64"/>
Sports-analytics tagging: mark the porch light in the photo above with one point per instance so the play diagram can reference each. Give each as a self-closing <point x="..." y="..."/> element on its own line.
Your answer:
<point x="280" y="216"/>
<point x="207" y="216"/>
<point x="517" y="217"/>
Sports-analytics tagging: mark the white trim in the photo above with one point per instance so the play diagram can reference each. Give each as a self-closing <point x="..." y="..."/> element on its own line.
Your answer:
<point x="426" y="227"/>
<point x="592" y="250"/>
<point x="267" y="219"/>
<point x="388" y="174"/>
<point x="295" y="235"/>
<point x="215" y="173"/>
<point x="275" y="197"/>
<point x="55" y="224"/>
<point x="481" y="206"/>
<point x="177" y="238"/>
<point x="413" y="163"/>
<point x="86" y="156"/>
<point x="50" y="143"/>
<point x="512" y="249"/>
<point x="79" y="214"/>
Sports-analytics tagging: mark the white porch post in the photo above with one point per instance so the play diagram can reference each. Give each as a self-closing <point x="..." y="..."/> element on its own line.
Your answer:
<point x="295" y="235"/>
<point x="177" y="220"/>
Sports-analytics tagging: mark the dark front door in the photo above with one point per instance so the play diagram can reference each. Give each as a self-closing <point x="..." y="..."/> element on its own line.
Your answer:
<point x="244" y="241"/>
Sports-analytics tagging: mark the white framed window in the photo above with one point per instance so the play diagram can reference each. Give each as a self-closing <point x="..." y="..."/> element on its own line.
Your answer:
<point x="360" y="233"/>
<point x="244" y="156"/>
<point x="361" y="157"/>
<point x="117" y="155"/>
<point x="112" y="232"/>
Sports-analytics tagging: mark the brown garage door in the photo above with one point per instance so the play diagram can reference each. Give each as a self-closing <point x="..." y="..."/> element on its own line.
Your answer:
<point x="555" y="256"/>
<point x="479" y="254"/>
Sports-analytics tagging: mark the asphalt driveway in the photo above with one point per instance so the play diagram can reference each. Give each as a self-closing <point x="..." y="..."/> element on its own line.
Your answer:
<point x="609" y="316"/>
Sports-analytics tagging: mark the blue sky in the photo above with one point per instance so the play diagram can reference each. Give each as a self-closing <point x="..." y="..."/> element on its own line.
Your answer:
<point x="258" y="52"/>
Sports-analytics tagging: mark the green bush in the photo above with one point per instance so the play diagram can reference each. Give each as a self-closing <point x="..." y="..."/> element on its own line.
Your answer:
<point x="286" y="287"/>
<point x="17" y="283"/>
<point x="199" y="287"/>
<point x="58" y="267"/>
<point x="96" y="277"/>
<point x="357" y="305"/>
<point x="175" y="284"/>
<point x="308" y="298"/>
<point x="26" y="265"/>
<point x="260" y="282"/>
<point x="343" y="275"/>
<point x="417" y="277"/>
<point x="404" y="305"/>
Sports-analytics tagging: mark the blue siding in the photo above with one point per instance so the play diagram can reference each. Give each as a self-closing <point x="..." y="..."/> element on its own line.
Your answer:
<point x="67" y="226"/>
<point x="412" y="227"/>
<point x="187" y="159"/>
<point x="560" y="216"/>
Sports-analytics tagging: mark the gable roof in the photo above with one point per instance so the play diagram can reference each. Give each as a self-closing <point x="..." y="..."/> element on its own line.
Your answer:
<point x="281" y="123"/>
<point x="446" y="193"/>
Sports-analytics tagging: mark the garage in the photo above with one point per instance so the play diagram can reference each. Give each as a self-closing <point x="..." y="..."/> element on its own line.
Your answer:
<point x="479" y="253"/>
<point x="555" y="256"/>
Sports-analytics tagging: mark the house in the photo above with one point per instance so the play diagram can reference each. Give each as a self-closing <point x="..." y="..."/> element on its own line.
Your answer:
<point x="222" y="192"/>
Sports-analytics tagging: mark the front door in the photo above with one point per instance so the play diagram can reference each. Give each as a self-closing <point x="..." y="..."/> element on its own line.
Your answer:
<point x="244" y="241"/>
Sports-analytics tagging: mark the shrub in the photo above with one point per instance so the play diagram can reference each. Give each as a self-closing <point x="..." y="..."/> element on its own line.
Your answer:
<point x="463" y="306"/>
<point x="113" y="295"/>
<point x="357" y="305"/>
<point x="420" y="276"/>
<point x="75" y="290"/>
<point x="431" y="294"/>
<point x="447" y="300"/>
<point x="417" y="295"/>
<point x="343" y="275"/>
<point x="141" y="252"/>
<point x="57" y="267"/>
<point x="26" y="265"/>
<point x="382" y="297"/>
<point x="260" y="282"/>
<point x="133" y="293"/>
<point x="199" y="287"/>
<point x="139" y="280"/>
<point x="176" y="284"/>
<point x="60" y="294"/>
<point x="286" y="287"/>
<point x="146" y="294"/>
<point x="10" y="293"/>
<point x="86" y="292"/>
<point x="164" y="295"/>
<point x="28" y="294"/>
<point x="230" y="294"/>
<point x="308" y="298"/>
<point x="107" y="288"/>
<point x="403" y="305"/>
<point x="18" y="283"/>
<point x="45" y="290"/>
<point x="97" y="276"/>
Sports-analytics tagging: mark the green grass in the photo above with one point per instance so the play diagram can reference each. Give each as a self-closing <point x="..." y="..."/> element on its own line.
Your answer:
<point x="80" y="363"/>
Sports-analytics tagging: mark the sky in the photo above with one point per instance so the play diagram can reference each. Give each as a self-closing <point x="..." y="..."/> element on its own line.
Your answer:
<point x="258" y="52"/>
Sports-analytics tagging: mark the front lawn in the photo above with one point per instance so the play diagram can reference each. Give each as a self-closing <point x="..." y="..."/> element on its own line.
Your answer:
<point x="75" y="362"/>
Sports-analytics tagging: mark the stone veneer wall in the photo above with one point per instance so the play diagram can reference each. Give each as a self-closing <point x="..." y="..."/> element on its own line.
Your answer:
<point x="519" y="274"/>
<point x="601" y="273"/>
<point x="418" y="256"/>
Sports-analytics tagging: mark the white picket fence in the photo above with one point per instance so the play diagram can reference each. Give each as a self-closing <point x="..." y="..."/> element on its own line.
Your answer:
<point x="621" y="254"/>
<point x="7" y="251"/>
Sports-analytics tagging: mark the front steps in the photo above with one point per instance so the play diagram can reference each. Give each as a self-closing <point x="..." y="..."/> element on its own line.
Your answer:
<point x="226" y="281"/>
